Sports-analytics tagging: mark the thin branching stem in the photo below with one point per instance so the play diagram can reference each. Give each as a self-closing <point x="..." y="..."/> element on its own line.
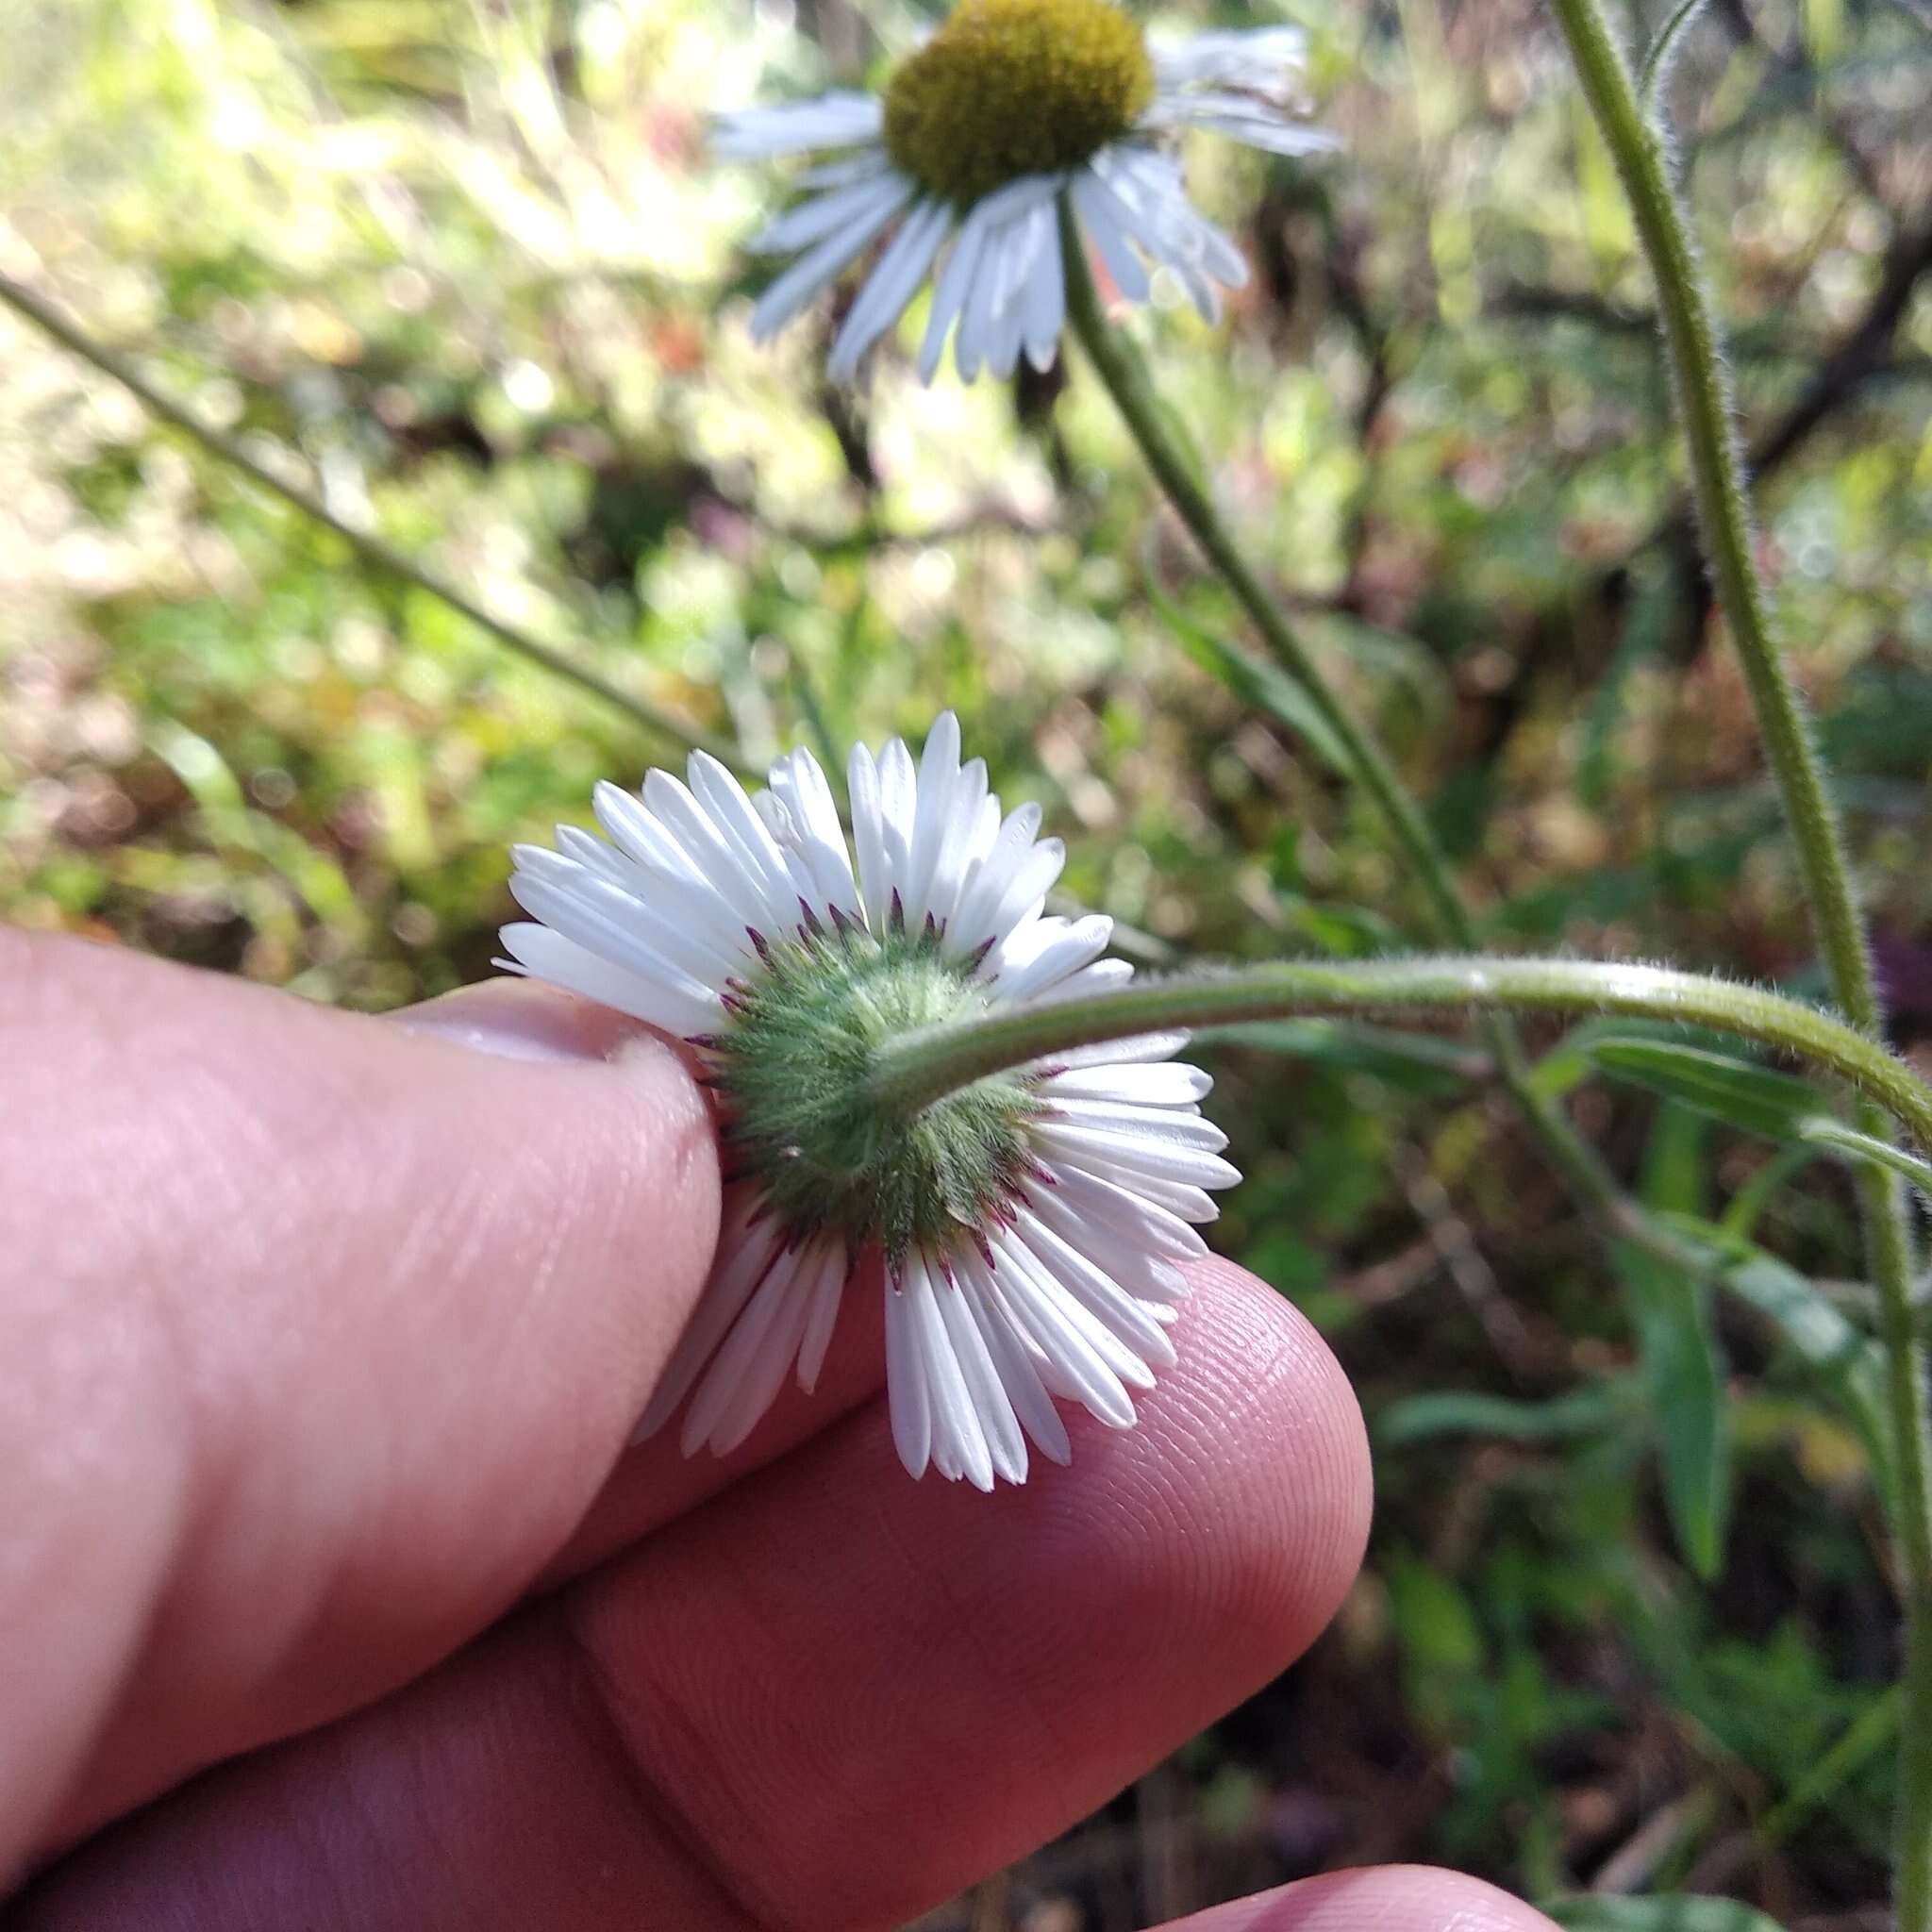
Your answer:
<point x="372" y="551"/>
<point x="921" y="1067"/>
<point x="1703" y="403"/>
<point x="1450" y="923"/>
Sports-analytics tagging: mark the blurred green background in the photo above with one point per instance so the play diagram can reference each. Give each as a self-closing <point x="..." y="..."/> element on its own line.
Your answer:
<point x="463" y="271"/>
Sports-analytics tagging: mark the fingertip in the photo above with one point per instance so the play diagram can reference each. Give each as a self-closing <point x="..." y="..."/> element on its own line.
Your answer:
<point x="1376" y="1898"/>
<point x="1257" y="1441"/>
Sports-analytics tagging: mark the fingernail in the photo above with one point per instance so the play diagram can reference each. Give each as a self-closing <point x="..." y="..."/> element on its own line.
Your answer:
<point x="517" y="1020"/>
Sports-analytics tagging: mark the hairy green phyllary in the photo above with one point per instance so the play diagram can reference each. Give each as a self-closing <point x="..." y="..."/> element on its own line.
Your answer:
<point x="792" y="1072"/>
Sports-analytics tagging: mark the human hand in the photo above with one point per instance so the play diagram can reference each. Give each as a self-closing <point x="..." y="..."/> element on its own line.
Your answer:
<point x="329" y="1597"/>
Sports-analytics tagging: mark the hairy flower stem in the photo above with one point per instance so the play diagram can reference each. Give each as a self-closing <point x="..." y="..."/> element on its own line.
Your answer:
<point x="918" y="1068"/>
<point x="1125" y="382"/>
<point x="373" y="551"/>
<point x="1704" y="402"/>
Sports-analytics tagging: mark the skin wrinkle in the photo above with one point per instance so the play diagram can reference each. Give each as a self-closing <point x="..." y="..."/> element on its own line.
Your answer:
<point x="605" y="1729"/>
<point x="649" y="1709"/>
<point x="813" y="1659"/>
<point x="313" y="1572"/>
<point x="1183" y="1595"/>
<point x="656" y="1482"/>
<point x="836" y="1657"/>
<point x="298" y="1076"/>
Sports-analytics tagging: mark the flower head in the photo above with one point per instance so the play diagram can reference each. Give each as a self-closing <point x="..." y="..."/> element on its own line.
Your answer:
<point x="1011" y="107"/>
<point x="1022" y="1231"/>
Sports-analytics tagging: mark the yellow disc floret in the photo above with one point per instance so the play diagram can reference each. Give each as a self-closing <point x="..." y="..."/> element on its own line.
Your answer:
<point x="1015" y="86"/>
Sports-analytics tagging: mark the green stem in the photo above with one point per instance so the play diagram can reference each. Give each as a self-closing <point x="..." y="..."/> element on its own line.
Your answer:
<point x="372" y="550"/>
<point x="1449" y="920"/>
<point x="1703" y="401"/>
<point x="922" y="1066"/>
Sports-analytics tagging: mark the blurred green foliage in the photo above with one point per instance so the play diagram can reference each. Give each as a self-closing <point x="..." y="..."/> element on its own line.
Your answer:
<point x="465" y="272"/>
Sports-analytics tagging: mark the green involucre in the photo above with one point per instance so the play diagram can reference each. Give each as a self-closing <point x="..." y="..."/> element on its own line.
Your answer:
<point x="795" y="1068"/>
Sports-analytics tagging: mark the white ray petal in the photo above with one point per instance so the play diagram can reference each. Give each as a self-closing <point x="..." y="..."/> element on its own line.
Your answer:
<point x="1110" y="1304"/>
<point x="595" y="855"/>
<point x="1040" y="1309"/>
<point x="1008" y="328"/>
<point x="638" y="907"/>
<point x="869" y="836"/>
<point x="890" y="287"/>
<point x="1112" y="1247"/>
<point x="955" y="282"/>
<point x="821" y="265"/>
<point x="731" y="814"/>
<point x="604" y="919"/>
<point x="963" y="823"/>
<point x="1020" y="898"/>
<point x="812" y="220"/>
<point x="839" y="174"/>
<point x="959" y="1441"/>
<point x="1038" y="956"/>
<point x="1104" y="975"/>
<point x="1241" y="54"/>
<point x="992" y="1408"/>
<point x="1265" y="132"/>
<point x="541" y="953"/>
<point x="737" y="877"/>
<point x="987" y="878"/>
<point x="745" y="1247"/>
<point x="934" y="804"/>
<point x="826" y="1289"/>
<point x="1168" y="1126"/>
<point x="748" y="1371"/>
<point x="840" y="119"/>
<point x="977" y="314"/>
<point x="898" y="807"/>
<point x="1007" y="1345"/>
<point x="636" y="833"/>
<point x="1099" y="210"/>
<point x="1142" y="1046"/>
<point x="1148" y="1225"/>
<point x="906" y="1396"/>
<point x="1132" y="1085"/>
<point x="1183" y="1199"/>
<point x="1046" y="306"/>
<point x="801" y="788"/>
<point x="1156" y="1160"/>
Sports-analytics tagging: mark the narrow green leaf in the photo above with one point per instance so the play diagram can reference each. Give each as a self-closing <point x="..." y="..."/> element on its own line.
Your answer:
<point x="1744" y="1094"/>
<point x="1253" y="682"/>
<point x="1663" y="52"/>
<point x="1862" y="1740"/>
<point x="1585" y="1411"/>
<point x="1675" y="1911"/>
<point x="1746" y="1208"/>
<point x="1418" y="1062"/>
<point x="1676" y="1338"/>
<point x="1646" y="630"/>
<point x="1849" y="1361"/>
<point x="1821" y="1130"/>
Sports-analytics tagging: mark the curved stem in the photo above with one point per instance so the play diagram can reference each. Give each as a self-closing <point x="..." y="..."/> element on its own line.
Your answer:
<point x="921" y="1067"/>
<point x="1703" y="401"/>
<point x="1449" y="920"/>
<point x="1140" y="410"/>
<point x="372" y="550"/>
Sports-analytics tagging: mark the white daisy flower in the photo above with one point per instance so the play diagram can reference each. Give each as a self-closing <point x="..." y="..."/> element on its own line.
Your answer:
<point x="1011" y="107"/>
<point x="1023" y="1231"/>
